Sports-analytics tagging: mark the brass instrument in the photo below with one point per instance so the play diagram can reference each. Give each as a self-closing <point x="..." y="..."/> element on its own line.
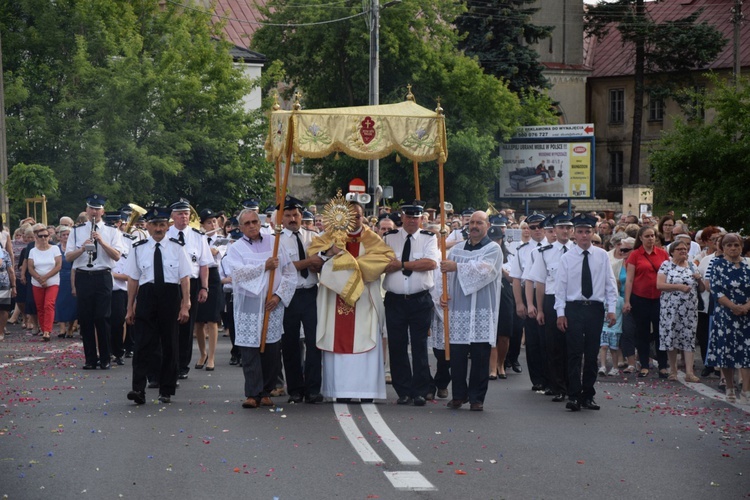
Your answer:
<point x="137" y="212"/>
<point x="195" y="218"/>
<point x="91" y="247"/>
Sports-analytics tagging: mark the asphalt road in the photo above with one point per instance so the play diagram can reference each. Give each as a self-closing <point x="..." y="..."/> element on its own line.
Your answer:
<point x="68" y="433"/>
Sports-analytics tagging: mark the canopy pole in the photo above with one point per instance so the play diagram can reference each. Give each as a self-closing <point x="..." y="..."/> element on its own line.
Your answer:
<point x="281" y="186"/>
<point x="443" y="234"/>
<point x="416" y="180"/>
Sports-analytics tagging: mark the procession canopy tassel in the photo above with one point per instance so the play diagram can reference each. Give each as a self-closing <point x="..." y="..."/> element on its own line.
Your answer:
<point x="409" y="95"/>
<point x="398" y="158"/>
<point x="336" y="156"/>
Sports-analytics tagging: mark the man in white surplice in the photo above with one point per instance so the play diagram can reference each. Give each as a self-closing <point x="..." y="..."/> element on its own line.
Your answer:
<point x="473" y="269"/>
<point x="249" y="262"/>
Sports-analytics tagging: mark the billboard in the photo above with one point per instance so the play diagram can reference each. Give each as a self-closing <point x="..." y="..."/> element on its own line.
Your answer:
<point x="555" y="161"/>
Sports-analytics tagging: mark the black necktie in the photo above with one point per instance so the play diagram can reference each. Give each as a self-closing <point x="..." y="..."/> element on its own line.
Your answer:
<point x="565" y="249"/>
<point x="587" y="288"/>
<point x="158" y="267"/>
<point x="301" y="251"/>
<point x="405" y="255"/>
<point x="539" y="244"/>
<point x="181" y="238"/>
<point x="209" y="240"/>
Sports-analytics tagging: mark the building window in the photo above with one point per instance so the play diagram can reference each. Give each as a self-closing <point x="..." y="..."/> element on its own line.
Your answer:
<point x="616" y="105"/>
<point x="299" y="168"/>
<point x="655" y="109"/>
<point x="697" y="110"/>
<point x="615" y="168"/>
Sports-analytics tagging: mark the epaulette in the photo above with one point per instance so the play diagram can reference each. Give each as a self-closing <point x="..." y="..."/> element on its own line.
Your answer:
<point x="138" y="243"/>
<point x="392" y="231"/>
<point x="546" y="247"/>
<point x="198" y="231"/>
<point x="424" y="231"/>
<point x="130" y="236"/>
<point x="522" y="245"/>
<point x="79" y="225"/>
<point x="181" y="243"/>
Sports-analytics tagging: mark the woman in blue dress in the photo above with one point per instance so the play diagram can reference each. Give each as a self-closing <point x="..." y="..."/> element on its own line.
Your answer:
<point x="66" y="306"/>
<point x="729" y="341"/>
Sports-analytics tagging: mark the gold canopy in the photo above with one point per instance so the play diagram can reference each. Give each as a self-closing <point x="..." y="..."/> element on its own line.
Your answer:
<point x="363" y="132"/>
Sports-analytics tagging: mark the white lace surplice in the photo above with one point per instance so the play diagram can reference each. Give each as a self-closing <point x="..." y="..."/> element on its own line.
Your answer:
<point x="474" y="291"/>
<point x="246" y="264"/>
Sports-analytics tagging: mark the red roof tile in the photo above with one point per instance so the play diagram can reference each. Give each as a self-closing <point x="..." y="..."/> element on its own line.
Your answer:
<point x="241" y="17"/>
<point x="608" y="57"/>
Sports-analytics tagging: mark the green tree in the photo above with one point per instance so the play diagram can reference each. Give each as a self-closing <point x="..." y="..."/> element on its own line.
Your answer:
<point x="673" y="47"/>
<point x="418" y="45"/>
<point x="704" y="164"/>
<point x="124" y="98"/>
<point x="492" y="30"/>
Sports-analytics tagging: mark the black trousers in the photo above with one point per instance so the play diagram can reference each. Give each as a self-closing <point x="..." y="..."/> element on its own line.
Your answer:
<point x="536" y="351"/>
<point x="302" y="311"/>
<point x="117" y="322"/>
<point x="155" y="336"/>
<point x="479" y="376"/>
<point x="646" y="315"/>
<point x="443" y="370"/>
<point x="408" y="321"/>
<point x="516" y="337"/>
<point x="583" y="340"/>
<point x="229" y="323"/>
<point x="94" y="294"/>
<point x="185" y="337"/>
<point x="260" y="369"/>
<point x="557" y="349"/>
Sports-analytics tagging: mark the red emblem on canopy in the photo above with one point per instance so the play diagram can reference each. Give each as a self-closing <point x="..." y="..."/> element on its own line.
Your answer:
<point x="368" y="130"/>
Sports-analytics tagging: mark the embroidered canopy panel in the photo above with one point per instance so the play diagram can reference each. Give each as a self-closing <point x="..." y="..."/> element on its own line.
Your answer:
<point x="364" y="132"/>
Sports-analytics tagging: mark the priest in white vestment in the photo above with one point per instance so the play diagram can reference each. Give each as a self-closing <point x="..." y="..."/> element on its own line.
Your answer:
<point x="249" y="262"/>
<point x="350" y="312"/>
<point x="473" y="269"/>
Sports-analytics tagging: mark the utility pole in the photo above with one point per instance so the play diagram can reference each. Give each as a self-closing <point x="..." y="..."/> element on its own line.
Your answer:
<point x="373" y="166"/>
<point x="3" y="148"/>
<point x="737" y="20"/>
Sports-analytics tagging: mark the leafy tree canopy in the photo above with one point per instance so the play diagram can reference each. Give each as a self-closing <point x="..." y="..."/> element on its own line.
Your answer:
<point x="418" y="45"/>
<point x="135" y="102"/>
<point x="704" y="164"/>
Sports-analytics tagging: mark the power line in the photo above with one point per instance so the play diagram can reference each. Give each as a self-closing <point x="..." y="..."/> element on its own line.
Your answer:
<point x="258" y="23"/>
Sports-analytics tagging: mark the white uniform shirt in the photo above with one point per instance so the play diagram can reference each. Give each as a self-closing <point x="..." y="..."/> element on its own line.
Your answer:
<point x="140" y="263"/>
<point x="196" y="248"/>
<point x="423" y="246"/>
<point x="546" y="262"/>
<point x="289" y="242"/>
<point x="568" y="281"/>
<point x="522" y="260"/>
<point x="80" y="233"/>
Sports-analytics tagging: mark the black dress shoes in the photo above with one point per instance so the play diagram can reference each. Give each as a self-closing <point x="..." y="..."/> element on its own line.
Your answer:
<point x="455" y="404"/>
<point x="559" y="398"/>
<point x="476" y="407"/>
<point x="403" y="400"/>
<point x="314" y="399"/>
<point x="89" y="367"/>
<point x="164" y="399"/>
<point x="128" y="354"/>
<point x="106" y="366"/>
<point x="420" y="401"/>
<point x="138" y="397"/>
<point x="516" y="367"/>
<point x="119" y="361"/>
<point x="182" y="375"/>
<point x="537" y="387"/>
<point x="548" y="392"/>
<point x="573" y="405"/>
<point x="234" y="361"/>
<point x="589" y="404"/>
<point x="295" y="398"/>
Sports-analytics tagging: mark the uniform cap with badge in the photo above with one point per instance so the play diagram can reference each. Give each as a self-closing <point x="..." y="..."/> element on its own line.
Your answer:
<point x="180" y="205"/>
<point x="562" y="219"/>
<point x="111" y="217"/>
<point x="290" y="203"/>
<point x="251" y="204"/>
<point x="95" y="201"/>
<point x="584" y="220"/>
<point x="206" y="214"/>
<point x="535" y="218"/>
<point x="307" y="216"/>
<point x="414" y="209"/>
<point x="495" y="233"/>
<point x="157" y="214"/>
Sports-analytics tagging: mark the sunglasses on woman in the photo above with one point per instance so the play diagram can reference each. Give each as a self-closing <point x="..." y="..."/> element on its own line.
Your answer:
<point x="42" y="235"/>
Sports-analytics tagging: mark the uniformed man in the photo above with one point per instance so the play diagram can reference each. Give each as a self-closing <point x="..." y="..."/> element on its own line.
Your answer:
<point x="158" y="271"/>
<point x="543" y="272"/>
<point x="119" y="291"/>
<point x="307" y="221"/>
<point x="462" y="233"/>
<point x="522" y="261"/>
<point x="302" y="310"/>
<point x="93" y="248"/>
<point x="408" y="304"/>
<point x="584" y="283"/>
<point x="196" y="247"/>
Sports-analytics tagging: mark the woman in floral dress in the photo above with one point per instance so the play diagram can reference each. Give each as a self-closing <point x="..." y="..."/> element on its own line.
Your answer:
<point x="679" y="282"/>
<point x="729" y="341"/>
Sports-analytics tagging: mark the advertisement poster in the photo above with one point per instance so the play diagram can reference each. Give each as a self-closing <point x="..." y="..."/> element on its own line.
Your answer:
<point x="542" y="164"/>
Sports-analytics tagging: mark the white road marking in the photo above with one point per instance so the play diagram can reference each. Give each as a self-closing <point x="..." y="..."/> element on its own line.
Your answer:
<point x="357" y="440"/>
<point x="29" y="358"/>
<point x="389" y="438"/>
<point x="713" y="394"/>
<point x="409" y="480"/>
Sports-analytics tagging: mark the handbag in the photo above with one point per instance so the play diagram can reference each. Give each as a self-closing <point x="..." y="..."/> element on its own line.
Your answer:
<point x="701" y="303"/>
<point x="5" y="297"/>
